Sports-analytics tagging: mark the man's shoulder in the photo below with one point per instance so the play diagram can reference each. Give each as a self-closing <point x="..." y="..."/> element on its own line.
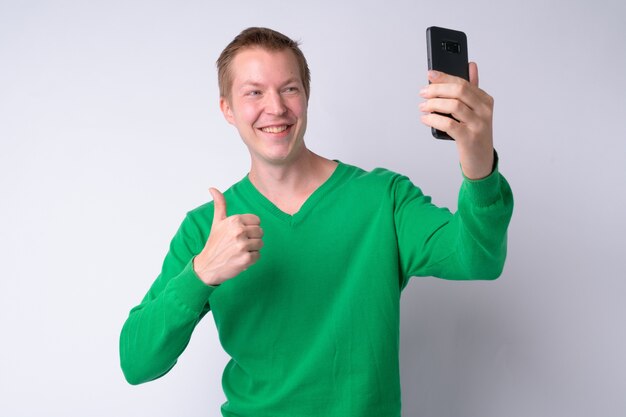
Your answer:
<point x="377" y="175"/>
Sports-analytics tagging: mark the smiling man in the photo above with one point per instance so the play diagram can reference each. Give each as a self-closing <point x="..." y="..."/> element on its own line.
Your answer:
<point x="302" y="262"/>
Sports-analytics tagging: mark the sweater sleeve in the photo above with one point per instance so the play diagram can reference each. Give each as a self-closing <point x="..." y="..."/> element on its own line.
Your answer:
<point x="469" y="244"/>
<point x="158" y="330"/>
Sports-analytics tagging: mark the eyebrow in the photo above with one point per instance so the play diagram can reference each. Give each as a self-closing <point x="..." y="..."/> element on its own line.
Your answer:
<point x="251" y="83"/>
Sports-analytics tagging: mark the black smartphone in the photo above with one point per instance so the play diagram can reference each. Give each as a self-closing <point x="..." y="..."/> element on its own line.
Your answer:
<point x="447" y="52"/>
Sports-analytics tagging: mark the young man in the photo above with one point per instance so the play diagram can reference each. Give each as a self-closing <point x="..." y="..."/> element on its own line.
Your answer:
<point x="303" y="261"/>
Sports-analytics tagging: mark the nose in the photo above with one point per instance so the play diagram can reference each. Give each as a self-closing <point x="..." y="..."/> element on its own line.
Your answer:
<point x="275" y="104"/>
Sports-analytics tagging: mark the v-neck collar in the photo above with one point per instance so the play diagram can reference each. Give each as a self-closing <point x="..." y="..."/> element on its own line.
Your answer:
<point x="306" y="207"/>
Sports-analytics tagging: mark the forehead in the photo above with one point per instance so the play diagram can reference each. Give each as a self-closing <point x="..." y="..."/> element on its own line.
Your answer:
<point x="262" y="66"/>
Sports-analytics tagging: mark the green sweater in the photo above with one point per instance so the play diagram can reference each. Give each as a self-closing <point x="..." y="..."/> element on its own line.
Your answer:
<point x="313" y="327"/>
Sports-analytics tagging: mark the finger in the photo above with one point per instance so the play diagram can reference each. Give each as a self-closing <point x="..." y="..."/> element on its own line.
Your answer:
<point x="471" y="96"/>
<point x="456" y="108"/>
<point x="219" y="205"/>
<point x="473" y="73"/>
<point x="249" y="219"/>
<point x="249" y="245"/>
<point x="443" y="123"/>
<point x="251" y="258"/>
<point x="253" y="245"/>
<point x="438" y="77"/>
<point x="254" y="232"/>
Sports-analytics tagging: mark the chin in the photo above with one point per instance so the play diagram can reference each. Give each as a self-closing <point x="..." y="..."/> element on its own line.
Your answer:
<point x="282" y="156"/>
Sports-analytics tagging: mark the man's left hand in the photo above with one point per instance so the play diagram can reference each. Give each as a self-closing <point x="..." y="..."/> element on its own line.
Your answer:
<point x="473" y="110"/>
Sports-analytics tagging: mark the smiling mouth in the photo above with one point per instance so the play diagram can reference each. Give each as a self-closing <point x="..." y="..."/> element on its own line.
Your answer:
<point x="275" y="129"/>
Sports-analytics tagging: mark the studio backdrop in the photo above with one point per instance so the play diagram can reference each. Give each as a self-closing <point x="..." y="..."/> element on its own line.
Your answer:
<point x="110" y="131"/>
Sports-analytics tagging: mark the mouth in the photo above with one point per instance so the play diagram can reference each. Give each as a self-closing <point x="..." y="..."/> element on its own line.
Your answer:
<point x="275" y="129"/>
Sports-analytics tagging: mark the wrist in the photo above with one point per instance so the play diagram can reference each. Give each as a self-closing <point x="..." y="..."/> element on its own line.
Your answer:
<point x="479" y="167"/>
<point x="205" y="275"/>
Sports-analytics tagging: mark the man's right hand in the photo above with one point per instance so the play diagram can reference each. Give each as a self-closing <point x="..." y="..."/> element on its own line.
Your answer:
<point x="232" y="246"/>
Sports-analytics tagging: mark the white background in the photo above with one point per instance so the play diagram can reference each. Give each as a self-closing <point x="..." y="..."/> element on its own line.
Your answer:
<point x="110" y="131"/>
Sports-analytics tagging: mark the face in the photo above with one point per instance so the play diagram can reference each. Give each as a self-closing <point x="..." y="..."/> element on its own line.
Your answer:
<point x="267" y="105"/>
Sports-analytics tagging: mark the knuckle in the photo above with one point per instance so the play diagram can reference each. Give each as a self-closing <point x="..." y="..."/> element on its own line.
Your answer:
<point x="250" y="258"/>
<point x="245" y="258"/>
<point x="238" y="232"/>
<point x="448" y="124"/>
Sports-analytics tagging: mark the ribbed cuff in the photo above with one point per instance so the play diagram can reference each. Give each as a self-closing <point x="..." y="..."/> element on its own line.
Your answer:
<point x="485" y="191"/>
<point x="190" y="290"/>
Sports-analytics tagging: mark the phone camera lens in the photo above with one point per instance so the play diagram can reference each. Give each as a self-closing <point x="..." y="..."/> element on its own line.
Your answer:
<point x="452" y="47"/>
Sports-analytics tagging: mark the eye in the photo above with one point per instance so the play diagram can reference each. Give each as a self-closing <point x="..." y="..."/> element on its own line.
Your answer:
<point x="253" y="93"/>
<point x="291" y="90"/>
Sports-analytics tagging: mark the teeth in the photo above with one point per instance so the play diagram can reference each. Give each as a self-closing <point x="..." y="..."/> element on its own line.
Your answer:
<point x="274" y="129"/>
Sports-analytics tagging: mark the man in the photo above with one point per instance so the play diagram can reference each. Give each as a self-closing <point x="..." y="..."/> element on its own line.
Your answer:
<point x="303" y="261"/>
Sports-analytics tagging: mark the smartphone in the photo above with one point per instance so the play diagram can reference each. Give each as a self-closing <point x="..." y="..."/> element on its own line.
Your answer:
<point x="447" y="52"/>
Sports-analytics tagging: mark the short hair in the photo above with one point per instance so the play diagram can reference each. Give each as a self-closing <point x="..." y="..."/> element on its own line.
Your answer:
<point x="264" y="38"/>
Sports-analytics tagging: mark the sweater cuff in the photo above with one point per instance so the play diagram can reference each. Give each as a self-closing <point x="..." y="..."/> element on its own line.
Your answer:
<point x="190" y="290"/>
<point x="485" y="191"/>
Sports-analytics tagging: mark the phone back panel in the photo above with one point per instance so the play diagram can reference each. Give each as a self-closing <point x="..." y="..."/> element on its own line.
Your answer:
<point x="447" y="51"/>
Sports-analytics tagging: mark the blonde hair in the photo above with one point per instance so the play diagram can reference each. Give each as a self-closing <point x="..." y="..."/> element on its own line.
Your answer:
<point x="267" y="39"/>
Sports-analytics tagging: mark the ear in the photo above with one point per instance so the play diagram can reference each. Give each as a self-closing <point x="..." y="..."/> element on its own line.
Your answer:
<point x="227" y="110"/>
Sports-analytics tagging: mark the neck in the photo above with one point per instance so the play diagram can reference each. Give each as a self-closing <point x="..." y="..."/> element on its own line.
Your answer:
<point x="289" y="185"/>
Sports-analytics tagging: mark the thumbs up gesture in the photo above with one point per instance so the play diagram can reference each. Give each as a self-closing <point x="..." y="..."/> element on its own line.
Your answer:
<point x="232" y="246"/>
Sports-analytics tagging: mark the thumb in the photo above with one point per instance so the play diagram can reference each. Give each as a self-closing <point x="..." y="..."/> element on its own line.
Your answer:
<point x="473" y="73"/>
<point x="219" y="202"/>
